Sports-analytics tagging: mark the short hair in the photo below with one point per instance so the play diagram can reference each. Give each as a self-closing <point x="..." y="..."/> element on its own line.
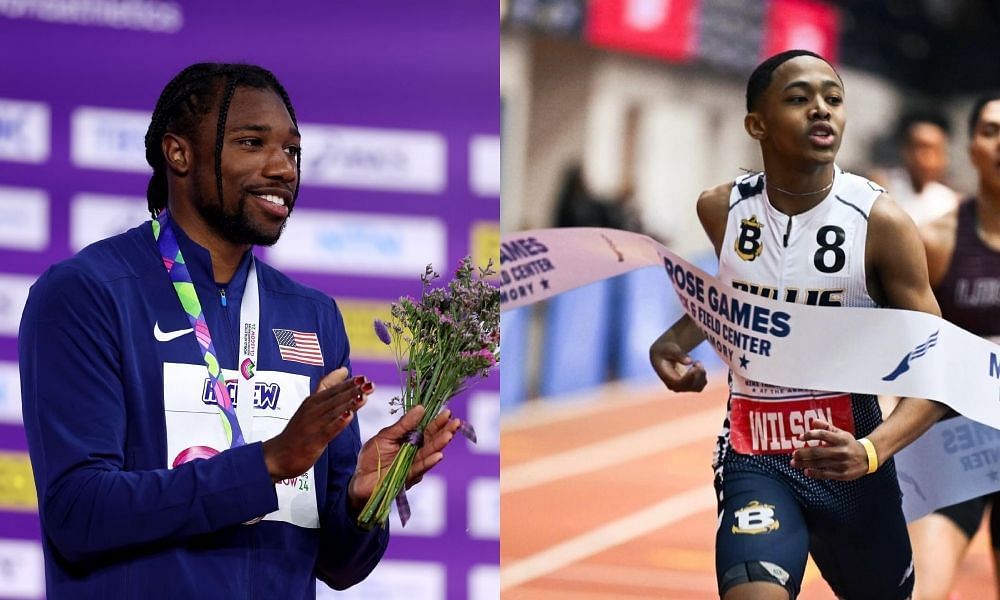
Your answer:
<point x="911" y="118"/>
<point x="191" y="95"/>
<point x="977" y="109"/>
<point x="761" y="77"/>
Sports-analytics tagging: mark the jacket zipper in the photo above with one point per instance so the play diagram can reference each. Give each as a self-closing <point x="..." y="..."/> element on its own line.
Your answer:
<point x="788" y="231"/>
<point x="228" y="327"/>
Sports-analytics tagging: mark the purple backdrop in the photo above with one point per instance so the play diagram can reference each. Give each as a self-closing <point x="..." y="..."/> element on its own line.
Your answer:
<point x="399" y="103"/>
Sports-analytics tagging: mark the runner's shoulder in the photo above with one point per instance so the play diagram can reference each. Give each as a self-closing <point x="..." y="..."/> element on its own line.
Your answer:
<point x="713" y="203"/>
<point x="887" y="220"/>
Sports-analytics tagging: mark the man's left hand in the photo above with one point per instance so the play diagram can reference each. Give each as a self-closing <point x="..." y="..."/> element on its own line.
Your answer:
<point x="378" y="453"/>
<point x="840" y="456"/>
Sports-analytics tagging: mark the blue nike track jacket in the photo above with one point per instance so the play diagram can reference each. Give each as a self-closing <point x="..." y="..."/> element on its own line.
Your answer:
<point x="113" y="391"/>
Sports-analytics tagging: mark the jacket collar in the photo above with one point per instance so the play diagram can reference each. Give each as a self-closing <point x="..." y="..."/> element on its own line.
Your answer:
<point x="199" y="264"/>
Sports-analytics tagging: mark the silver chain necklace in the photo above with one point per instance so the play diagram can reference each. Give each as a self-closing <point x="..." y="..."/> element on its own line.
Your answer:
<point x="819" y="191"/>
<point x="786" y="192"/>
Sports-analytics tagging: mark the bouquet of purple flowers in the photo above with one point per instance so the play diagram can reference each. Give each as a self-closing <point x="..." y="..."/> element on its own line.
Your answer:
<point x="449" y="335"/>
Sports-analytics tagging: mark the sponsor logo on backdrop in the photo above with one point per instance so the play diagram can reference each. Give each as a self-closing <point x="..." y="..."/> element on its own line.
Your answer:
<point x="17" y="488"/>
<point x="484" y="508"/>
<point x="646" y="15"/>
<point x="24" y="218"/>
<point x="24" y="131"/>
<point x="484" y="239"/>
<point x="359" y="243"/>
<point x="109" y="139"/>
<point x="661" y="28"/>
<point x="484" y="414"/>
<point x="395" y="580"/>
<point x="377" y="159"/>
<point x="22" y="569"/>
<point x="559" y="17"/>
<point x="13" y="295"/>
<point x="484" y="582"/>
<point x="93" y="217"/>
<point x="484" y="165"/>
<point x="10" y="393"/>
<point x="147" y="15"/>
<point x="428" y="503"/>
<point x="809" y="25"/>
<point x="358" y="318"/>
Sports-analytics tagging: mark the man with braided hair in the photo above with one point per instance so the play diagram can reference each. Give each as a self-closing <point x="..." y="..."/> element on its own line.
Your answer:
<point x="189" y="409"/>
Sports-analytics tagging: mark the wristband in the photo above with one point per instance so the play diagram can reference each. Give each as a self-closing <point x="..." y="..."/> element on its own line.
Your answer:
<point x="872" y="455"/>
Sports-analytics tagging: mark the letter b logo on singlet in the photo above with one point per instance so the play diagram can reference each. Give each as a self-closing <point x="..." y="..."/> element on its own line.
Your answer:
<point x="755" y="518"/>
<point x="748" y="244"/>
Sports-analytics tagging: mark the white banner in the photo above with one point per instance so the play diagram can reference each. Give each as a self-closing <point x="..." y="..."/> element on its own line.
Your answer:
<point x="861" y="350"/>
<point x="955" y="460"/>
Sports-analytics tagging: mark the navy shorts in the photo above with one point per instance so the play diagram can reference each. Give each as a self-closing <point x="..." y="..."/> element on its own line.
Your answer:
<point x="968" y="516"/>
<point x="766" y="531"/>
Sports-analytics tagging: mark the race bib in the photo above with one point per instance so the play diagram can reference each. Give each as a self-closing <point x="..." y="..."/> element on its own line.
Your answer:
<point x="774" y="426"/>
<point x="194" y="429"/>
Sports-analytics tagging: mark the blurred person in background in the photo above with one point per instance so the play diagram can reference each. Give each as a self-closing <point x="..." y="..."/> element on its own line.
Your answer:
<point x="805" y="224"/>
<point x="579" y="206"/>
<point x="152" y="480"/>
<point x="918" y="184"/>
<point x="963" y="259"/>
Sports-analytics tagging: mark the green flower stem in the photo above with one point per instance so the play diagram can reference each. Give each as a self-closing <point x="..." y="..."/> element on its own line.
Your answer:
<point x="376" y="511"/>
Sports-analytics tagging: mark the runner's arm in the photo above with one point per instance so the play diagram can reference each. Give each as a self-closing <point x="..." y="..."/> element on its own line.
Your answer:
<point x="669" y="353"/>
<point x="900" y="263"/>
<point x="898" y="267"/>
<point x="669" y="357"/>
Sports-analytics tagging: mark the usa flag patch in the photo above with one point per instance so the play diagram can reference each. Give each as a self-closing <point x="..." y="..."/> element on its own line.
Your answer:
<point x="299" y="347"/>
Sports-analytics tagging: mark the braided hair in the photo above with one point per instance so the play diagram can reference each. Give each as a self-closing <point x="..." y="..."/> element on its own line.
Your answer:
<point x="191" y="95"/>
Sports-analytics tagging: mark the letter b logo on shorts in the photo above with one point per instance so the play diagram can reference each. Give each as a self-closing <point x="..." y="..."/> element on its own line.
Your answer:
<point x="748" y="244"/>
<point x="755" y="518"/>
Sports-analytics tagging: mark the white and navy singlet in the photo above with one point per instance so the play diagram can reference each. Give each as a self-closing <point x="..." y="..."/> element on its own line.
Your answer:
<point x="816" y="257"/>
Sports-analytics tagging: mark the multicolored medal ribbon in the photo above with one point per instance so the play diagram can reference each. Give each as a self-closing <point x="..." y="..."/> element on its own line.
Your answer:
<point x="173" y="260"/>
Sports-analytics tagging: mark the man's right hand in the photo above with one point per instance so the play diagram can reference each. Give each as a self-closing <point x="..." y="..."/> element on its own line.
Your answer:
<point x="675" y="368"/>
<point x="320" y="418"/>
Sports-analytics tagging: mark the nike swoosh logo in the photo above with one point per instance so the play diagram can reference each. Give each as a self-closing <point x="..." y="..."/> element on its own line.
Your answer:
<point x="166" y="336"/>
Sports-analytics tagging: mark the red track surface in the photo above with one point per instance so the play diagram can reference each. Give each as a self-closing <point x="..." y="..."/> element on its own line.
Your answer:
<point x="636" y="519"/>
